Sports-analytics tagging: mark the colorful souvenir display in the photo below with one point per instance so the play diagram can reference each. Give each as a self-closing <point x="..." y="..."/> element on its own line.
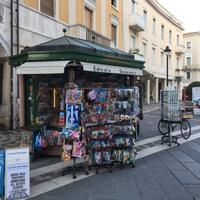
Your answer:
<point x="109" y="118"/>
<point x="72" y="116"/>
<point x="73" y="96"/>
<point x="79" y="149"/>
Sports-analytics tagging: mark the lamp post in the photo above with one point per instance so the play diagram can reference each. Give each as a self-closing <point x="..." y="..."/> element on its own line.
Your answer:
<point x="167" y="51"/>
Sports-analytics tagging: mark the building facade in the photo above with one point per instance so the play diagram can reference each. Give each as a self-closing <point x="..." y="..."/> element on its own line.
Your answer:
<point x="148" y="29"/>
<point x="142" y="25"/>
<point x="191" y="60"/>
<point x="24" y="23"/>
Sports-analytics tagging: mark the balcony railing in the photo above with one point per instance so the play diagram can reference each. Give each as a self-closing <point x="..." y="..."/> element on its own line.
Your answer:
<point x="136" y="23"/>
<point x="180" y="49"/>
<point x="85" y="33"/>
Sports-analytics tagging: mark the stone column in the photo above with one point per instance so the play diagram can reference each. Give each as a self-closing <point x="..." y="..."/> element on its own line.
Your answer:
<point x="156" y="90"/>
<point x="148" y="91"/>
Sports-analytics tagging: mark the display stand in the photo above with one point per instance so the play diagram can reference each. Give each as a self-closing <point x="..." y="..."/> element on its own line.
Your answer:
<point x="169" y="138"/>
<point x="170" y="114"/>
<point x="123" y="139"/>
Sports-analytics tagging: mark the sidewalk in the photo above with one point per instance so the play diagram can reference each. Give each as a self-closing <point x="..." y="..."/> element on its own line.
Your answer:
<point x="173" y="174"/>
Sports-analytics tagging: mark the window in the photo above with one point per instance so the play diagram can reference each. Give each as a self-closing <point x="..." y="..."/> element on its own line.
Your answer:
<point x="177" y="63"/>
<point x="133" y="7"/>
<point x="144" y="49"/>
<point x="114" y="3"/>
<point x="114" y="34"/>
<point x="178" y="39"/>
<point x="170" y="37"/>
<point x="162" y="59"/>
<point x="1" y="83"/>
<point x="153" y="55"/>
<point x="154" y="26"/>
<point x="88" y="18"/>
<point x="162" y="32"/>
<point x="145" y="17"/>
<point x="47" y="7"/>
<point x="188" y="76"/>
<point x="132" y="42"/>
<point x="189" y="45"/>
<point x="188" y="60"/>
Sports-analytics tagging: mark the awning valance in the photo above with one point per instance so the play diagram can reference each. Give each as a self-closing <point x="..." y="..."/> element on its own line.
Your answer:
<point x="93" y="67"/>
<point x="43" y="67"/>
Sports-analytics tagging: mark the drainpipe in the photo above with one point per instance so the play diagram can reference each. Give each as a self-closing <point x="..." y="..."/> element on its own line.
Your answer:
<point x="11" y="70"/>
<point x="17" y="10"/>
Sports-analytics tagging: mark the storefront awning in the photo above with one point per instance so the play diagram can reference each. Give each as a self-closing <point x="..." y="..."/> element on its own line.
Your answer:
<point x="44" y="67"/>
<point x="100" y="68"/>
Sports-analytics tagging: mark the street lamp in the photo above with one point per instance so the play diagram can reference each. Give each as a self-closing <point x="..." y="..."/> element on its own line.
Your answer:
<point x="167" y="51"/>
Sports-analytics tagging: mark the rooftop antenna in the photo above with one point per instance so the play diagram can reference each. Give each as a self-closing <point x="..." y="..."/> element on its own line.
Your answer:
<point x="64" y="31"/>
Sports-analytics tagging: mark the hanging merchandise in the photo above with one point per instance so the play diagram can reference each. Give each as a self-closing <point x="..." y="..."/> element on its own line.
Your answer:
<point x="79" y="149"/>
<point x="61" y="118"/>
<point x="72" y="116"/>
<point x="73" y="96"/>
<point x="66" y="151"/>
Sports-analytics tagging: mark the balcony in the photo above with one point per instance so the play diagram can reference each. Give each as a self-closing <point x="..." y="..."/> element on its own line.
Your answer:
<point x="136" y="23"/>
<point x="180" y="49"/>
<point x="85" y="33"/>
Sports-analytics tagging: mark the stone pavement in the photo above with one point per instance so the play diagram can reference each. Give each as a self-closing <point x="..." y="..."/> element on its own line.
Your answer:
<point x="173" y="174"/>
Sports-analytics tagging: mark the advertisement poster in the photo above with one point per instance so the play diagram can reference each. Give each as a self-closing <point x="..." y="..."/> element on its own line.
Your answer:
<point x="196" y="100"/>
<point x="17" y="177"/>
<point x="2" y="164"/>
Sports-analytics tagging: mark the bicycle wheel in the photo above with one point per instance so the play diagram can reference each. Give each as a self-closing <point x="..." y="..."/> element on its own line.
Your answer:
<point x="185" y="129"/>
<point x="163" y="127"/>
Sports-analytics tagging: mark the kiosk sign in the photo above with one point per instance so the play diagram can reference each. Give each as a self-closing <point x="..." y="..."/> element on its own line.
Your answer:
<point x="17" y="178"/>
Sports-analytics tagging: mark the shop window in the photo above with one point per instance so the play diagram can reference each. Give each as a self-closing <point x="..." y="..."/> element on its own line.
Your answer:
<point x="1" y="83"/>
<point x="188" y="75"/>
<point x="114" y="3"/>
<point x="114" y="34"/>
<point x="88" y="18"/>
<point x="47" y="7"/>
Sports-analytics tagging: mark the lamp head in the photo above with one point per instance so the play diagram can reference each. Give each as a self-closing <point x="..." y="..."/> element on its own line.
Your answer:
<point x="167" y="50"/>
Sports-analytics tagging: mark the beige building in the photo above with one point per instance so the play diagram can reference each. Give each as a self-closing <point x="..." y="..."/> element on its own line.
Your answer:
<point x="149" y="28"/>
<point x="191" y="60"/>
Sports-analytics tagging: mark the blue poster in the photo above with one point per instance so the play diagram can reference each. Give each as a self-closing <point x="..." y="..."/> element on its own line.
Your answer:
<point x="72" y="116"/>
<point x="2" y="170"/>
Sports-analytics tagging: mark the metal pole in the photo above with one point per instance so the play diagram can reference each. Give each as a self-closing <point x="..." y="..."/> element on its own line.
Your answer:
<point x="167" y="70"/>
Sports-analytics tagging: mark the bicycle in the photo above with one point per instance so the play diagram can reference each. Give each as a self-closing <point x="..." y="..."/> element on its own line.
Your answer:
<point x="164" y="127"/>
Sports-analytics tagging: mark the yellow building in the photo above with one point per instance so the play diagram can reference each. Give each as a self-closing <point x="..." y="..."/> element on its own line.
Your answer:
<point x="96" y="20"/>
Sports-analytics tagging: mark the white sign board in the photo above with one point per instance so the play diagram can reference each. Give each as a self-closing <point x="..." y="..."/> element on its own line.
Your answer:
<point x="196" y="100"/>
<point x="92" y="67"/>
<point x="17" y="177"/>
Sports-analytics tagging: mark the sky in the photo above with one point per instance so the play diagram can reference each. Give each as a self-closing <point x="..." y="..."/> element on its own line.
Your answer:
<point x="188" y="12"/>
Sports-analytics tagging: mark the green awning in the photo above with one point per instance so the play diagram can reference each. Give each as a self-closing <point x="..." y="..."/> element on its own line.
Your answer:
<point x="70" y="48"/>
